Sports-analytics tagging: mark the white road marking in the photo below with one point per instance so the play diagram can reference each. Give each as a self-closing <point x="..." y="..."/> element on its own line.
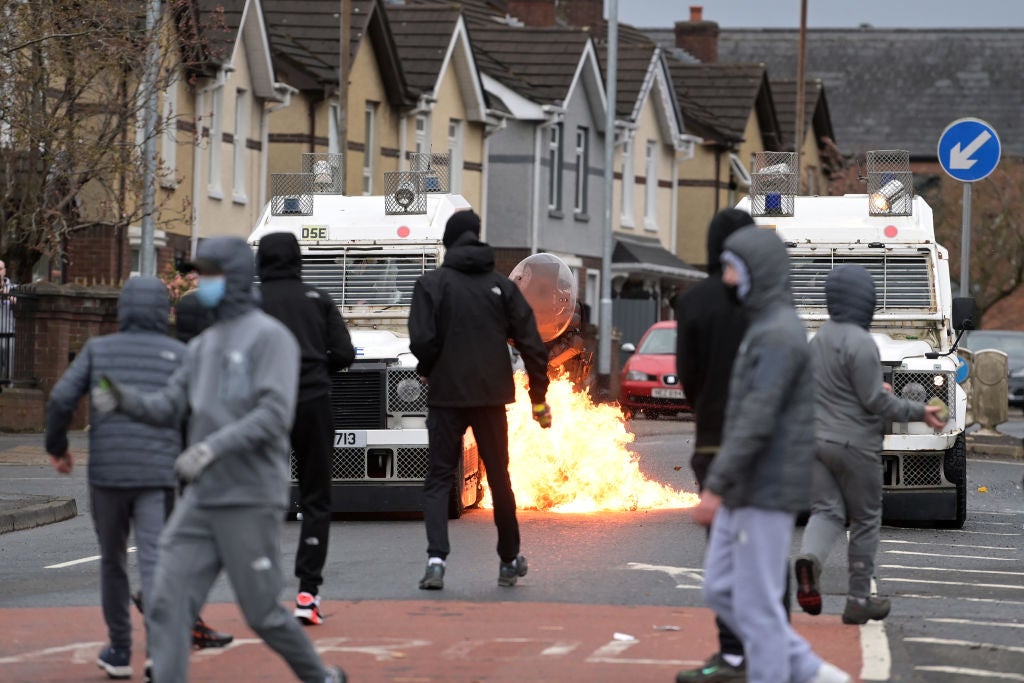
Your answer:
<point x="609" y="654"/>
<point x="960" y="597"/>
<point x="677" y="574"/>
<point x="80" y="653"/>
<point x="994" y="523"/>
<point x="955" y="583"/>
<point x="874" y="652"/>
<point x="953" y="569"/>
<point x="466" y="649"/>
<point x="980" y="673"/>
<point x="971" y="622"/>
<point x="974" y="645"/>
<point x="958" y="545"/>
<point x="71" y="563"/>
<point x="982" y="533"/>
<point x="962" y="557"/>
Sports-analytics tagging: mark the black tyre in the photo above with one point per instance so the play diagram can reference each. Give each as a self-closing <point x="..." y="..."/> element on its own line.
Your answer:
<point x="954" y="466"/>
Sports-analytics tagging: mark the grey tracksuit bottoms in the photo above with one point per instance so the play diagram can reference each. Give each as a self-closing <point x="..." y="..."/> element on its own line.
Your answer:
<point x="115" y="511"/>
<point x="195" y="546"/>
<point x="847" y="485"/>
<point x="744" y="574"/>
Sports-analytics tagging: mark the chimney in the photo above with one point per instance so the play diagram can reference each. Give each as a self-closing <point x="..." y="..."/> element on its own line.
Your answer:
<point x="697" y="36"/>
<point x="583" y="13"/>
<point x="535" y="13"/>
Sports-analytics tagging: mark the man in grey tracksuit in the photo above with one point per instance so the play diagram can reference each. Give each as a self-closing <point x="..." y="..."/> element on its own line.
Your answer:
<point x="760" y="477"/>
<point x="238" y="388"/>
<point x="851" y="408"/>
<point x="131" y="464"/>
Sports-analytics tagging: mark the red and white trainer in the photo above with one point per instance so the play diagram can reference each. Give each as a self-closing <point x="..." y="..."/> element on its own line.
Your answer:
<point x="307" y="609"/>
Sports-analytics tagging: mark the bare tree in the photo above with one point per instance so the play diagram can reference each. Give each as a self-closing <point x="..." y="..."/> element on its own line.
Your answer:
<point x="71" y="134"/>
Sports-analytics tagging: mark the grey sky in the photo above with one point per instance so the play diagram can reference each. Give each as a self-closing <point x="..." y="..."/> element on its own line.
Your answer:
<point x="829" y="13"/>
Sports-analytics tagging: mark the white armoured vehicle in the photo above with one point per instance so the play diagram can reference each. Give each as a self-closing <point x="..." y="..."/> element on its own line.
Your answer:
<point x="367" y="252"/>
<point x="889" y="231"/>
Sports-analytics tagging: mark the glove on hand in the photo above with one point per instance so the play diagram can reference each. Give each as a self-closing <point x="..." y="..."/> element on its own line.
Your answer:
<point x="542" y="414"/>
<point x="193" y="460"/>
<point x="106" y="395"/>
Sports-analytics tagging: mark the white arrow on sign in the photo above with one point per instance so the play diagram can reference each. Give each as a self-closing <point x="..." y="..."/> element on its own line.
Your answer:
<point x="961" y="160"/>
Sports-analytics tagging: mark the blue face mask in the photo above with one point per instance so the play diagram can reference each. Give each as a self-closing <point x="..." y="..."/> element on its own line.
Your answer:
<point x="210" y="291"/>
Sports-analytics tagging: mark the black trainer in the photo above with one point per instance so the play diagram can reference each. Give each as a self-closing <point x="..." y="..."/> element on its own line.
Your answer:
<point x="116" y="661"/>
<point x="509" y="572"/>
<point x="808" y="573"/>
<point x="715" y="670"/>
<point x="873" y="608"/>
<point x="433" y="578"/>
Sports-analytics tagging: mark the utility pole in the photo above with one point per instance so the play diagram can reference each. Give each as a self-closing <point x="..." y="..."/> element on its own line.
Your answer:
<point x="147" y="251"/>
<point x="343" y="69"/>
<point x="798" y="142"/>
<point x="604" y="350"/>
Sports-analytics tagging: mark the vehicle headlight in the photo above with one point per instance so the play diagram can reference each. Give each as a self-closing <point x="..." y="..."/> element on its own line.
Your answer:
<point x="939" y="381"/>
<point x="637" y="376"/>
<point x="409" y="390"/>
<point x="914" y="391"/>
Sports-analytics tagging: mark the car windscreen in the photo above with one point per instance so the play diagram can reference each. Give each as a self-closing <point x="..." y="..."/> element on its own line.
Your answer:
<point x="660" y="340"/>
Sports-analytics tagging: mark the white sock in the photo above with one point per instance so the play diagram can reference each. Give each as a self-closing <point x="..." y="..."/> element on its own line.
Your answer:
<point x="733" y="660"/>
<point x="435" y="560"/>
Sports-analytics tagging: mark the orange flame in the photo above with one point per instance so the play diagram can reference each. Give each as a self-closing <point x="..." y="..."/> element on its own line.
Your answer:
<point x="582" y="463"/>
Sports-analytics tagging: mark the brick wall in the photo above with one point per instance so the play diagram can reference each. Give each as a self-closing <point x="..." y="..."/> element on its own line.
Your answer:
<point x="52" y="324"/>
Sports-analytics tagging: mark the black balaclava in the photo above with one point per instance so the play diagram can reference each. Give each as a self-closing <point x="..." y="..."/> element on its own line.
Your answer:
<point x="461" y="222"/>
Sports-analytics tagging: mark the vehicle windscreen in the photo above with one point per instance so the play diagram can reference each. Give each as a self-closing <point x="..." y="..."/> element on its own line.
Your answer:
<point x="659" y="341"/>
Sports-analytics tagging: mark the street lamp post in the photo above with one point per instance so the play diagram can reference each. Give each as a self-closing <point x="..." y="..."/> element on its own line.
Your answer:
<point x="604" y="350"/>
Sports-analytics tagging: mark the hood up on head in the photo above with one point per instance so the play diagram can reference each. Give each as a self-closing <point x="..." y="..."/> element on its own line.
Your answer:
<point x="723" y="224"/>
<point x="143" y="306"/>
<point x="279" y="257"/>
<point x="767" y="263"/>
<point x="234" y="258"/>
<point x="850" y="295"/>
<point x="190" y="317"/>
<point x="460" y="223"/>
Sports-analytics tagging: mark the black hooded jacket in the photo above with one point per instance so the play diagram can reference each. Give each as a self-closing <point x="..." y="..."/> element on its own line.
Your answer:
<point x="710" y="328"/>
<point x="462" y="316"/>
<point x="309" y="313"/>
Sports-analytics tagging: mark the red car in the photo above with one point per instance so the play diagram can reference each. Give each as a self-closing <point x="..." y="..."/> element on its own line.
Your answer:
<point x="649" y="383"/>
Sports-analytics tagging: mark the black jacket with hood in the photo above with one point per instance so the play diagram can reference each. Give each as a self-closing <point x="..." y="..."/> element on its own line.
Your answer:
<point x="308" y="312"/>
<point x="462" y="316"/>
<point x="710" y="326"/>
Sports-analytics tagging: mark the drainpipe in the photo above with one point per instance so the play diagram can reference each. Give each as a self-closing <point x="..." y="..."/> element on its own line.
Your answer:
<point x="495" y="122"/>
<point x="218" y="82"/>
<point x="285" y="91"/>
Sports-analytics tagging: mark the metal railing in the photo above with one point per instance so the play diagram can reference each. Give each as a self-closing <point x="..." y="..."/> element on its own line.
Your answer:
<point x="7" y="304"/>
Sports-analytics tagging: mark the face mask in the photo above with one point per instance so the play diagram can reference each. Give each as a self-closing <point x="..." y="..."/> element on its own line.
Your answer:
<point x="742" y="288"/>
<point x="210" y="291"/>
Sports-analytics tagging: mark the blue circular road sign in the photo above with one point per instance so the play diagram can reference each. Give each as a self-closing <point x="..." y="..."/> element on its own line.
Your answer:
<point x="969" y="149"/>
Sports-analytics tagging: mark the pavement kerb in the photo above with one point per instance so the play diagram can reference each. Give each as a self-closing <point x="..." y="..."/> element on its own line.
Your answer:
<point x="31" y="512"/>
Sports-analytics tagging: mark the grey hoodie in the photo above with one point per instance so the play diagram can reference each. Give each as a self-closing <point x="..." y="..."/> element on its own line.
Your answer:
<point x="768" y="443"/>
<point x="852" y="404"/>
<point x="238" y="387"/>
<point x="123" y="453"/>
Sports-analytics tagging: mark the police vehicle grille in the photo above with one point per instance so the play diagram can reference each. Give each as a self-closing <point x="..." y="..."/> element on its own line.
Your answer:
<point x="358" y="277"/>
<point x="923" y="386"/>
<point x="902" y="281"/>
<point x="407" y="395"/>
<point x="921" y="470"/>
<point x="357" y="398"/>
<point x="412" y="463"/>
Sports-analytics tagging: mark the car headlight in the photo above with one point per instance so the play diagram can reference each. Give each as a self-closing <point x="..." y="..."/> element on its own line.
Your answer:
<point x="637" y="376"/>
<point x="939" y="381"/>
<point x="409" y="390"/>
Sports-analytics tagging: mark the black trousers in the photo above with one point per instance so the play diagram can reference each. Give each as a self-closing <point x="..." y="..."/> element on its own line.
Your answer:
<point x="313" y="441"/>
<point x="728" y="642"/>
<point x="445" y="427"/>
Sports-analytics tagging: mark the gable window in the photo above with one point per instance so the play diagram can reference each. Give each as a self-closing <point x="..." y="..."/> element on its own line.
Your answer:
<point x="370" y="152"/>
<point x="421" y="134"/>
<point x="582" y="159"/>
<point x="240" y="170"/>
<point x="651" y="189"/>
<point x="555" y="166"/>
<point x="169" y="148"/>
<point x="455" y="156"/>
<point x="628" y="182"/>
<point x="216" y="138"/>
<point x="333" y="132"/>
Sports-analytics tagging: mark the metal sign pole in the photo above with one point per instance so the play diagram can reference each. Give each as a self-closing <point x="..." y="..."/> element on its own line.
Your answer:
<point x="965" y="244"/>
<point x="604" y="350"/>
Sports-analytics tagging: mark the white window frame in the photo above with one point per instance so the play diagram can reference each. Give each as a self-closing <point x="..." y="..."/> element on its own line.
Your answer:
<point x="651" y="188"/>
<point x="135" y="247"/>
<point x="421" y="126"/>
<point x="593" y="288"/>
<point x="582" y="187"/>
<point x="454" y="156"/>
<point x="628" y="183"/>
<point x="169" y="151"/>
<point x="555" y="163"/>
<point x="240" y="168"/>
<point x="213" y="181"/>
<point x="333" y="134"/>
<point x="370" y="134"/>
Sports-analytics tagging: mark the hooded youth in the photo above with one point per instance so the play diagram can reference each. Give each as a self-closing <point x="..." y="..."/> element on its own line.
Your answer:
<point x="462" y="316"/>
<point x="123" y="453"/>
<point x="851" y="403"/>
<point x="238" y="388"/>
<point x="310" y="314"/>
<point x="768" y="444"/>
